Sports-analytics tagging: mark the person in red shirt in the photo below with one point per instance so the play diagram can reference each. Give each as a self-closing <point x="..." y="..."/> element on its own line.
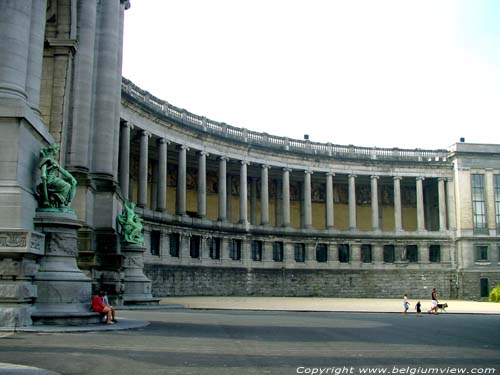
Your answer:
<point x="99" y="306"/>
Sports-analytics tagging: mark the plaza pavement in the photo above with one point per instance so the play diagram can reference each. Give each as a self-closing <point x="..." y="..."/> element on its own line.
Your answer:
<point x="313" y="304"/>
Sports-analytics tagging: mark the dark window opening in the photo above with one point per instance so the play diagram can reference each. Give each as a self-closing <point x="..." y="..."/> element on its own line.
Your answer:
<point x="435" y="253"/>
<point x="389" y="253"/>
<point x="366" y="253"/>
<point x="257" y="250"/>
<point x="175" y="242"/>
<point x="155" y="242"/>
<point x="300" y="252"/>
<point x="214" y="246"/>
<point x="235" y="249"/>
<point x="482" y="253"/>
<point x="278" y="251"/>
<point x="194" y="246"/>
<point x="412" y="253"/>
<point x="344" y="253"/>
<point x="485" y="288"/>
<point x="321" y="253"/>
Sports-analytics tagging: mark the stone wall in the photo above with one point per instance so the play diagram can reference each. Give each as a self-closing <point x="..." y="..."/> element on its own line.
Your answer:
<point x="470" y="283"/>
<point x="188" y="280"/>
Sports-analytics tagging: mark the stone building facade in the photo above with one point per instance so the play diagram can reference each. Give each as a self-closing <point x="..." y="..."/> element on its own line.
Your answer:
<point x="228" y="211"/>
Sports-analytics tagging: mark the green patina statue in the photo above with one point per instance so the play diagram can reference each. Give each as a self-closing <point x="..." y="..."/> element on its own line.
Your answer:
<point x="131" y="224"/>
<point x="58" y="186"/>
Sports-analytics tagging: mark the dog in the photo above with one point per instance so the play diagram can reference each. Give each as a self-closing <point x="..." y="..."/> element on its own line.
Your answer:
<point x="442" y="306"/>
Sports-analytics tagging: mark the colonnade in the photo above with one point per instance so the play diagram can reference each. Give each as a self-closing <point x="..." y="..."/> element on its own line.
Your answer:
<point x="224" y="181"/>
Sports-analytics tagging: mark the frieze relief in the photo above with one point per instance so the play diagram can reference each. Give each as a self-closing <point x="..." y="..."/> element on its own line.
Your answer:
<point x="133" y="261"/>
<point x="62" y="244"/>
<point x="13" y="239"/>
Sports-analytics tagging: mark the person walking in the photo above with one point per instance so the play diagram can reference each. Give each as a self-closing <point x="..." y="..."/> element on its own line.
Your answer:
<point x="406" y="304"/>
<point x="434" y="302"/>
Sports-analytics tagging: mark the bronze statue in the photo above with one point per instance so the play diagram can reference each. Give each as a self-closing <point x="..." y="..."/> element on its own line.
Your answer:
<point x="58" y="186"/>
<point x="131" y="224"/>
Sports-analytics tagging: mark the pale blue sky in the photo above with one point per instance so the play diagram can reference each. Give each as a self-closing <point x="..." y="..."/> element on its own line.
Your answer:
<point x="392" y="73"/>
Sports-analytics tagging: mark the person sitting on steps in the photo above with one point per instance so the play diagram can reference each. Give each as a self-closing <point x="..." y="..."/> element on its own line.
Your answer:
<point x="99" y="306"/>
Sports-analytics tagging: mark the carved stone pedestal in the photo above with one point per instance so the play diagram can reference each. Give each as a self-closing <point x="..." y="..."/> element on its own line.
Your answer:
<point x="19" y="250"/>
<point x="64" y="292"/>
<point x="137" y="285"/>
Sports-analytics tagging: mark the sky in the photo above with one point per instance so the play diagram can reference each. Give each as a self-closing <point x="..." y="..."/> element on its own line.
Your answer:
<point x="376" y="73"/>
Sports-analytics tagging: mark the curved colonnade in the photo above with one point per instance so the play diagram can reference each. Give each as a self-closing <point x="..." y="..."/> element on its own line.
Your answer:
<point x="215" y="197"/>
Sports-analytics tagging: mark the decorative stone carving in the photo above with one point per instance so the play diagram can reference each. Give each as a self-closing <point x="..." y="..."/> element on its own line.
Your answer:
<point x="58" y="186"/>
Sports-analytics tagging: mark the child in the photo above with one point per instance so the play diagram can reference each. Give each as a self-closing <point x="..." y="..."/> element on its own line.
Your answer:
<point x="406" y="304"/>
<point x="418" y="307"/>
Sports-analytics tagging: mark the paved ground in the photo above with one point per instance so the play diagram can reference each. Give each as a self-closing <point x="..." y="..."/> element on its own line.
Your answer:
<point x="191" y="341"/>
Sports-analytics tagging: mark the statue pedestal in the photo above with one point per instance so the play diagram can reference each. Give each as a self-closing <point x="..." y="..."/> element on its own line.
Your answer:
<point x="137" y="287"/>
<point x="64" y="292"/>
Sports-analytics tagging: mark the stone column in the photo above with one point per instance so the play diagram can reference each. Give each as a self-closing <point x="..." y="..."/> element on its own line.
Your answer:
<point x="450" y="189"/>
<point x="352" y="202"/>
<point x="329" y="200"/>
<point x="286" y="197"/>
<point x="142" y="197"/>
<point x="442" y="204"/>
<point x="420" y="205"/>
<point x="162" y="174"/>
<point x="222" y="192"/>
<point x="154" y="185"/>
<point x="35" y="55"/>
<point x="374" y="193"/>
<point x="202" y="184"/>
<point x="253" y="200"/>
<point x="125" y="159"/>
<point x="264" y="195"/>
<point x="180" y="196"/>
<point x="107" y="96"/>
<point x="398" y="225"/>
<point x="79" y="149"/>
<point x="15" y="20"/>
<point x="243" y="193"/>
<point x="229" y="198"/>
<point x="307" y="200"/>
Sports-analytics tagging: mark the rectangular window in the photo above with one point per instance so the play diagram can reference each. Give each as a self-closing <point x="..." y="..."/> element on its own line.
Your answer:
<point x="412" y="253"/>
<point x="278" y="251"/>
<point x="389" y="253"/>
<point x="496" y="181"/>
<point x="194" y="246"/>
<point x="321" y="253"/>
<point x="300" y="252"/>
<point x="155" y="242"/>
<point x="484" y="287"/>
<point x="366" y="253"/>
<point x="481" y="253"/>
<point x="257" y="250"/>
<point x="174" y="244"/>
<point x="479" y="203"/>
<point x="235" y="249"/>
<point x="214" y="246"/>
<point x="344" y="253"/>
<point x="435" y="253"/>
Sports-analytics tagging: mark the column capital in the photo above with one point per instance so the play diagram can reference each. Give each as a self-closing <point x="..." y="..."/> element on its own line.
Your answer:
<point x="163" y="141"/>
<point x="330" y="173"/>
<point x="352" y="175"/>
<point x="203" y="153"/>
<point x="442" y="179"/>
<point x="126" y="124"/>
<point x="308" y="171"/>
<point x="244" y="162"/>
<point x="286" y="169"/>
<point x="265" y="166"/>
<point x="397" y="178"/>
<point x="182" y="147"/>
<point x="420" y="178"/>
<point x="222" y="158"/>
<point x="374" y="177"/>
<point x="145" y="133"/>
